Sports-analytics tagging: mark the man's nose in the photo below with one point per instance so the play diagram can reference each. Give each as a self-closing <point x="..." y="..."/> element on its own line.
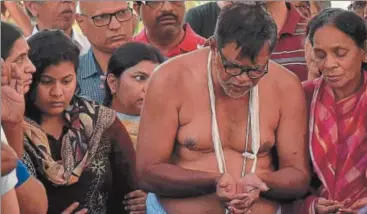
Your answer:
<point x="115" y="24"/>
<point x="242" y="78"/>
<point x="167" y="6"/>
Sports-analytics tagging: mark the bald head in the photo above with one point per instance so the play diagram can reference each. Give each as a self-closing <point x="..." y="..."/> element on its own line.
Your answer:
<point x="96" y="7"/>
<point x="108" y="32"/>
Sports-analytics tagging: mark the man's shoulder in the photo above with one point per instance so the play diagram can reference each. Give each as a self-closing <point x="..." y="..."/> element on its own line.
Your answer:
<point x="86" y="63"/>
<point x="282" y="77"/>
<point x="179" y="68"/>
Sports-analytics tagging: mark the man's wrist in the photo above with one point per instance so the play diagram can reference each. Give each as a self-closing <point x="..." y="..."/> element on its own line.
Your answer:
<point x="11" y="124"/>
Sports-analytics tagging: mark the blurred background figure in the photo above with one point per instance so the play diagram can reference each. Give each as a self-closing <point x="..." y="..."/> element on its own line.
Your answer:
<point x="358" y="7"/>
<point x="57" y="15"/>
<point x="311" y="8"/>
<point x="203" y="18"/>
<point x="303" y="7"/>
<point x="14" y="11"/>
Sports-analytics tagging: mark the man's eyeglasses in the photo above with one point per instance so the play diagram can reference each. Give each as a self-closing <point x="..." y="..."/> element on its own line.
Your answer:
<point x="159" y="4"/>
<point x="105" y="19"/>
<point x="234" y="69"/>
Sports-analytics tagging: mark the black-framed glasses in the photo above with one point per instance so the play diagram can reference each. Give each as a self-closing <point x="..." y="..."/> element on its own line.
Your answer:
<point x="234" y="69"/>
<point x="159" y="4"/>
<point x="105" y="19"/>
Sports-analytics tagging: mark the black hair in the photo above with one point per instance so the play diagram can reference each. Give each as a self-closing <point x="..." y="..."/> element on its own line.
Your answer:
<point x="9" y="35"/>
<point x="127" y="56"/>
<point x="347" y="22"/>
<point x="325" y="15"/>
<point x="248" y="25"/>
<point x="47" y="48"/>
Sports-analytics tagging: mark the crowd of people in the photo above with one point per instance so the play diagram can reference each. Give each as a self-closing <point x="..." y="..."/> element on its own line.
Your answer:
<point x="229" y="107"/>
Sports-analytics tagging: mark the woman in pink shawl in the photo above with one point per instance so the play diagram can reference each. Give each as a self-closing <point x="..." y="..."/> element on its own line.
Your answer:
<point x="338" y="113"/>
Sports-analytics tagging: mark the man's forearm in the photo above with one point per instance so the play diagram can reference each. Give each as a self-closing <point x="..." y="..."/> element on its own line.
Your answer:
<point x="32" y="197"/>
<point x="286" y="184"/>
<point x="15" y="137"/>
<point x="172" y="181"/>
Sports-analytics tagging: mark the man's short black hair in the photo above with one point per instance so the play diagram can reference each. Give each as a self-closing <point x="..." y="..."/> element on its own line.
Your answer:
<point x="248" y="25"/>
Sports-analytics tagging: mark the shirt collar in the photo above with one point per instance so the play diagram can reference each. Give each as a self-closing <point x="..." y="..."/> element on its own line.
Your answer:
<point x="293" y="18"/>
<point x="75" y="36"/>
<point x="190" y="42"/>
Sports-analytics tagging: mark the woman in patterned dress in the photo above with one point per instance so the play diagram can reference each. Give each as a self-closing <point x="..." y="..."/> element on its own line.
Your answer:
<point x="78" y="149"/>
<point x="337" y="103"/>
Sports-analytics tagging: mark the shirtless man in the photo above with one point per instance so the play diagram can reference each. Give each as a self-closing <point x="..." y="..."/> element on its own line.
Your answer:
<point x="176" y="158"/>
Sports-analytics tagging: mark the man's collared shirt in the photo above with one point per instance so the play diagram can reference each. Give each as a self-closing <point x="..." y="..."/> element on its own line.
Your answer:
<point x="191" y="41"/>
<point x="89" y="78"/>
<point x="79" y="39"/>
<point x="289" y="51"/>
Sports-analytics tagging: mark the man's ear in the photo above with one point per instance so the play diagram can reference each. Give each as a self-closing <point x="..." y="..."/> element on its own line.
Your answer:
<point x="32" y="7"/>
<point x="137" y="6"/>
<point x="112" y="83"/>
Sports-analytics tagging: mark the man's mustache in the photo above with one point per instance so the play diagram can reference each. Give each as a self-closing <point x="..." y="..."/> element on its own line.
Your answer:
<point x="167" y="15"/>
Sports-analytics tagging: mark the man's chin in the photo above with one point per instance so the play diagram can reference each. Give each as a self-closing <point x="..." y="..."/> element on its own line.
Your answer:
<point x="114" y="45"/>
<point x="66" y="25"/>
<point x="236" y="94"/>
<point x="168" y="30"/>
<point x="118" y="43"/>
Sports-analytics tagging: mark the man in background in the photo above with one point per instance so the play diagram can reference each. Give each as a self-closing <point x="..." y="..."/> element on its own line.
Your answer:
<point x="203" y="18"/>
<point x="164" y="27"/>
<point x="107" y="25"/>
<point x="57" y="15"/>
<point x="358" y="7"/>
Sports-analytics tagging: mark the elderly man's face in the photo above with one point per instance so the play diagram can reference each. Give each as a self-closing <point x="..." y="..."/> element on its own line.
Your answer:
<point x="54" y="14"/>
<point x="106" y="24"/>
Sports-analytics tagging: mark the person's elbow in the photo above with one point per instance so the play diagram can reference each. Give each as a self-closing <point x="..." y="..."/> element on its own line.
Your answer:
<point x="304" y="182"/>
<point x="143" y="176"/>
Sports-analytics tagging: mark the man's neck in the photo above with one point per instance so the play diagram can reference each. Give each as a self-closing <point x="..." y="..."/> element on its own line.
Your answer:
<point x="279" y="12"/>
<point x="165" y="44"/>
<point x="40" y="26"/>
<point x="102" y="59"/>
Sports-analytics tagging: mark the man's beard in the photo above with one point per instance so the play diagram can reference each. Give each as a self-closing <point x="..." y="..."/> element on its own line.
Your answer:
<point x="168" y="33"/>
<point x="231" y="93"/>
